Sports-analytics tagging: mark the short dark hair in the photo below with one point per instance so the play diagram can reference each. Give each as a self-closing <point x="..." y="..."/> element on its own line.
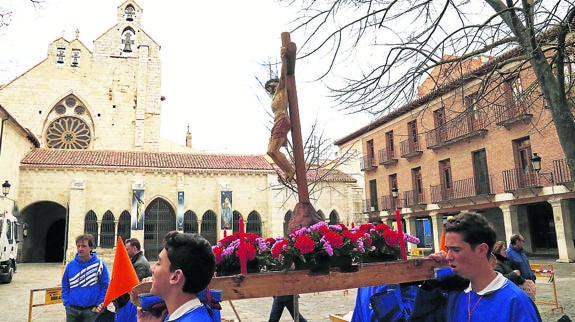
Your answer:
<point x="88" y="237"/>
<point x="474" y="228"/>
<point x="192" y="254"/>
<point x="134" y="242"/>
<point x="515" y="238"/>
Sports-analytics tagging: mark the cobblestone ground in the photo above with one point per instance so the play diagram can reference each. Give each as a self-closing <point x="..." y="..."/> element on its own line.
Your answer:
<point x="15" y="297"/>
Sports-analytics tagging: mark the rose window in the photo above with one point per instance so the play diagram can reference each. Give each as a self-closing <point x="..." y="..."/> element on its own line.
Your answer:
<point x="68" y="133"/>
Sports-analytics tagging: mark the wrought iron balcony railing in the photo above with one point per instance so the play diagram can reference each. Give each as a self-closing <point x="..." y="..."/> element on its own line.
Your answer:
<point x="386" y="156"/>
<point x="367" y="163"/>
<point x="515" y="179"/>
<point x="459" y="189"/>
<point x="410" y="148"/>
<point x="458" y="129"/>
<point x="414" y="198"/>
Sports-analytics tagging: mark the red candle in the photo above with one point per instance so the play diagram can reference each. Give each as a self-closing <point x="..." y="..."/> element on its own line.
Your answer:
<point x="243" y="255"/>
<point x="225" y="233"/>
<point x="400" y="230"/>
<point x="352" y="224"/>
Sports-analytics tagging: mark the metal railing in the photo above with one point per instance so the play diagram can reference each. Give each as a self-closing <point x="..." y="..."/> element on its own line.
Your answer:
<point x="386" y="156"/>
<point x="561" y="171"/>
<point x="409" y="148"/>
<point x="367" y="163"/>
<point x="388" y="202"/>
<point x="414" y="197"/>
<point x="370" y="205"/>
<point x="456" y="129"/>
<point x="459" y="189"/>
<point x="515" y="179"/>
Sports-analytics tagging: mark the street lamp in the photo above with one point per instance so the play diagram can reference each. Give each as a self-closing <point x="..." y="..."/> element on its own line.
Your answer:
<point x="536" y="165"/>
<point x="6" y="188"/>
<point x="394" y="192"/>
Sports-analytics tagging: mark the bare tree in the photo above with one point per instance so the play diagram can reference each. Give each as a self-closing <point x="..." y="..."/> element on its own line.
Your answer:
<point x="6" y="13"/>
<point x="406" y="41"/>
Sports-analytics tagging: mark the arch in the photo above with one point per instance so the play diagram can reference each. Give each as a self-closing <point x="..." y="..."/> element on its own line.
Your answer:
<point x="107" y="230"/>
<point x="46" y="221"/>
<point x="128" y="36"/>
<point x="124" y="226"/>
<point x="190" y="222"/>
<point x="254" y="223"/>
<point x="321" y="215"/>
<point x="91" y="225"/>
<point x="209" y="227"/>
<point x="69" y="125"/>
<point x="287" y="218"/>
<point x="236" y="221"/>
<point x="334" y="218"/>
<point x="159" y="219"/>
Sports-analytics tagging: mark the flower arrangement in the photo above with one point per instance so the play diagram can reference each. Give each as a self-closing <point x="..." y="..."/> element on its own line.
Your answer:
<point x="316" y="247"/>
<point x="227" y="253"/>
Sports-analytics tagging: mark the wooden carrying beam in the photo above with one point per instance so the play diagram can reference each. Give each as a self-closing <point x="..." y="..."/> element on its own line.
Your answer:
<point x="298" y="282"/>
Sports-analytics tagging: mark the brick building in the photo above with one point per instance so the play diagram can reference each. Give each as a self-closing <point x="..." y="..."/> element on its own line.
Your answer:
<point x="469" y="145"/>
<point x="81" y="147"/>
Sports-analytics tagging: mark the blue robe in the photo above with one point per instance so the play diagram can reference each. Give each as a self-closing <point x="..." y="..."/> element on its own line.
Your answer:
<point x="501" y="301"/>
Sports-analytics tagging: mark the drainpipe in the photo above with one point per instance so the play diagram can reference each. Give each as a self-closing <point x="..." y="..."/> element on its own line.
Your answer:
<point x="2" y="133"/>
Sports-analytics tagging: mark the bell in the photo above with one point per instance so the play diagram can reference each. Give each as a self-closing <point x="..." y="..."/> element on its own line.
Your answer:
<point x="127" y="43"/>
<point x="129" y="13"/>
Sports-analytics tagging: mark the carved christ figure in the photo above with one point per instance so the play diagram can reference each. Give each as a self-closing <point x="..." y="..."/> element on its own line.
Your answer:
<point x="282" y="123"/>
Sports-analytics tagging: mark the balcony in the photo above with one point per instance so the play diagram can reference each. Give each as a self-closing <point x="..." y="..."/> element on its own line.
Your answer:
<point x="517" y="179"/>
<point x="367" y="163"/>
<point x="458" y="129"/>
<point x="389" y="203"/>
<point x="409" y="148"/>
<point x="386" y="156"/>
<point x="507" y="115"/>
<point x="561" y="171"/>
<point x="370" y="205"/>
<point x="460" y="189"/>
<point x="414" y="198"/>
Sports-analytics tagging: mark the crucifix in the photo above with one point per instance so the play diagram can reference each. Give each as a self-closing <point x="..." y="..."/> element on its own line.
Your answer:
<point x="304" y="214"/>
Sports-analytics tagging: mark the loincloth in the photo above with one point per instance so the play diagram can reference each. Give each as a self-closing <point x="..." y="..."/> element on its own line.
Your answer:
<point x="282" y="125"/>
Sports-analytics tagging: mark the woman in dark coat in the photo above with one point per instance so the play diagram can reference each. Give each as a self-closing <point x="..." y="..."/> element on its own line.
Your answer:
<point x="510" y="269"/>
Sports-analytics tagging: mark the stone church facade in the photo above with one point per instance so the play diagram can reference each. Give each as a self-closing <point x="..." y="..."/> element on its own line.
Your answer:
<point x="82" y="150"/>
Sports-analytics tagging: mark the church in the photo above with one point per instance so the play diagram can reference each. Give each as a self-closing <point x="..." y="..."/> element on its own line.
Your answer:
<point x="81" y="148"/>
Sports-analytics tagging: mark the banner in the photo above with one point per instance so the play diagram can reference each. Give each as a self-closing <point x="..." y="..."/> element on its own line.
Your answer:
<point x="226" y="202"/>
<point x="180" y="211"/>
<point x="138" y="209"/>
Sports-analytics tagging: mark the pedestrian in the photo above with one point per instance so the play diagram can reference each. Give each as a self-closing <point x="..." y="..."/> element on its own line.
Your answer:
<point x="489" y="296"/>
<point x="84" y="283"/>
<point x="516" y="253"/>
<point x="126" y="311"/>
<point x="184" y="268"/>
<point x="139" y="261"/>
<point x="281" y="302"/>
<point x="510" y="269"/>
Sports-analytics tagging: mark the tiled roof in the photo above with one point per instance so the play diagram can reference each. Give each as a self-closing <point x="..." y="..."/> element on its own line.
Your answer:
<point x="55" y="158"/>
<point x="325" y="175"/>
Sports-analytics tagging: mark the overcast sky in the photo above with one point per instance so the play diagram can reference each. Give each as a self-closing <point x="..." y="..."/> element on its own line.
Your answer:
<point x="211" y="53"/>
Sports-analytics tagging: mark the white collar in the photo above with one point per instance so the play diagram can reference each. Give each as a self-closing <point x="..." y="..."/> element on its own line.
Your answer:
<point x="498" y="282"/>
<point x="185" y="308"/>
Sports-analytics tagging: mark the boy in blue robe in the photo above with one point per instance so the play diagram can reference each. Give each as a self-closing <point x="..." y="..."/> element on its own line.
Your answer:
<point x="184" y="268"/>
<point x="490" y="296"/>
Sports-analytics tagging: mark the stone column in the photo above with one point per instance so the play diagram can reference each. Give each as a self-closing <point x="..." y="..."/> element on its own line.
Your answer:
<point x="563" y="230"/>
<point x="436" y="228"/>
<point x="410" y="229"/>
<point x="510" y="220"/>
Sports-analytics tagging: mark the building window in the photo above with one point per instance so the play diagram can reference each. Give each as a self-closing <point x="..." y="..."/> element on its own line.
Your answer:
<point x="60" y="55"/>
<point x="446" y="179"/>
<point x="75" y="58"/>
<point x="91" y="226"/>
<point x="108" y="230"/>
<point x="412" y="131"/>
<point x="522" y="152"/>
<point x="124" y="226"/>
<point x="416" y="178"/>
<point x="389" y="142"/>
<point x="68" y="133"/>
<point x="513" y="91"/>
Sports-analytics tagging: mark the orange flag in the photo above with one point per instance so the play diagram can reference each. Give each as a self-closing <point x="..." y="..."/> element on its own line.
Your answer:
<point x="123" y="274"/>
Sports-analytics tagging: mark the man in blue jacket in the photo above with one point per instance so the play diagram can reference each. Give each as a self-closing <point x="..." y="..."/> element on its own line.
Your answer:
<point x="84" y="283"/>
<point x="516" y="253"/>
<point x="489" y="296"/>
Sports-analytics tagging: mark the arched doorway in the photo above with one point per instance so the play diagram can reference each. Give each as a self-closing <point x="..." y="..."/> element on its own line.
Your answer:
<point x="254" y="224"/>
<point x="46" y="221"/>
<point x="159" y="219"/>
<point x="55" y="237"/>
<point x="209" y="227"/>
